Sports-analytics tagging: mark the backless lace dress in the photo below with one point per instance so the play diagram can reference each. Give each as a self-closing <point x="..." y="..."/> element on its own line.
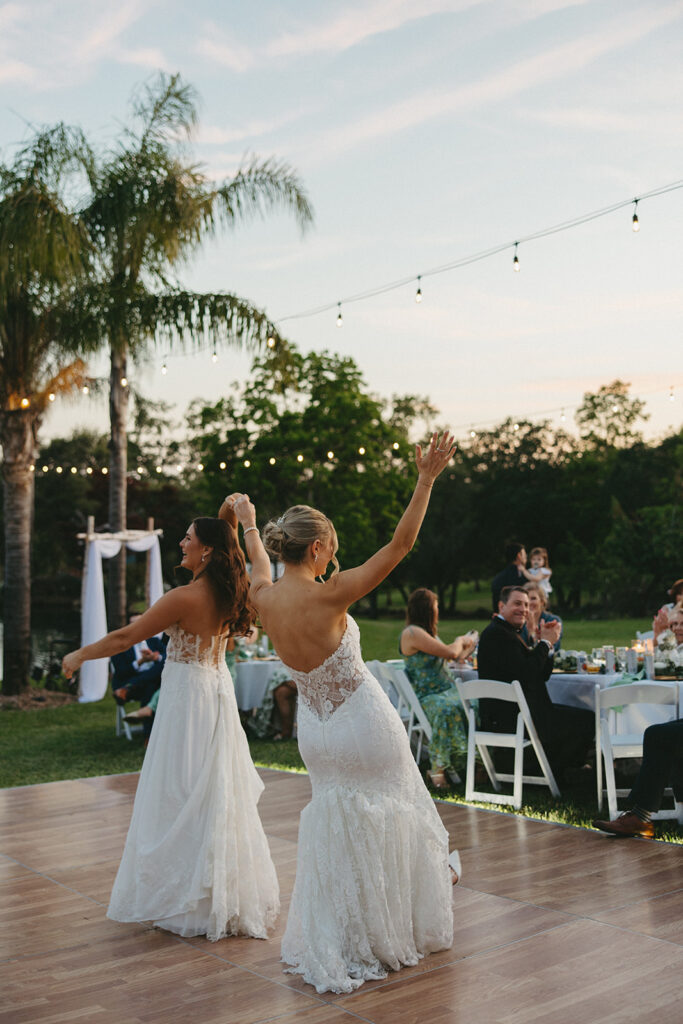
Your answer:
<point x="196" y="859"/>
<point x="373" y="887"/>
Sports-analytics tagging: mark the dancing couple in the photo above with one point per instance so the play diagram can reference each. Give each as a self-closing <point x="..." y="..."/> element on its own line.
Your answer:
<point x="373" y="882"/>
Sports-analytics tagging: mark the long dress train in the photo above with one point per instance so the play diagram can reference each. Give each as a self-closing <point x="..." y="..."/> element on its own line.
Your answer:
<point x="373" y="887"/>
<point x="196" y="859"/>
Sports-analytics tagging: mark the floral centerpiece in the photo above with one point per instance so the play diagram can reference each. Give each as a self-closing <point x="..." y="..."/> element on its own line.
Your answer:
<point x="668" y="655"/>
<point x="566" y="661"/>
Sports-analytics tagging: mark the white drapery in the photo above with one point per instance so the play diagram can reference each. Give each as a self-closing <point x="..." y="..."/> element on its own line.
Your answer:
<point x="94" y="675"/>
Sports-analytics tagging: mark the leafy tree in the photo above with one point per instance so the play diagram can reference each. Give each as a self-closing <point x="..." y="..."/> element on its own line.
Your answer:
<point x="607" y="418"/>
<point x="43" y="254"/>
<point x="151" y="207"/>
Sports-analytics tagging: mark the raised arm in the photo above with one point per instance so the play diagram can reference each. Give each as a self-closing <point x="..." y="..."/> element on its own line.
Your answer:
<point x="256" y="553"/>
<point x="352" y="584"/>
<point x="163" y="613"/>
<point x="227" y="512"/>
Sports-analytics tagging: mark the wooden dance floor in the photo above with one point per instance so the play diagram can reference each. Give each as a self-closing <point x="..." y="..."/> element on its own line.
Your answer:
<point x="552" y="924"/>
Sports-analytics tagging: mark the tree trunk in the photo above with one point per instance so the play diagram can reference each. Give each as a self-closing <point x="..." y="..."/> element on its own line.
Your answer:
<point x="18" y="443"/>
<point x="118" y="468"/>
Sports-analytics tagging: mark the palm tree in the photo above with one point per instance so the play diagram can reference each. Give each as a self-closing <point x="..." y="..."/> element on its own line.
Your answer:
<point x="151" y="207"/>
<point x="43" y="250"/>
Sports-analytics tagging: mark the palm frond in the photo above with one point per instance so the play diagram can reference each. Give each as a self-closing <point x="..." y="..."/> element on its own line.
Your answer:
<point x="166" y="106"/>
<point x="263" y="185"/>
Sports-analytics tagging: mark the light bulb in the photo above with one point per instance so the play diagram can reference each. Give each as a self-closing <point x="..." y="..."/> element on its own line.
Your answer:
<point x="105" y="470"/>
<point x="395" y="446"/>
<point x="271" y="460"/>
<point x="515" y="263"/>
<point x="418" y="293"/>
<point x="330" y="455"/>
<point x="340" y="320"/>
<point x="89" y="470"/>
<point x="85" y="389"/>
<point x="164" y="369"/>
<point x="299" y="458"/>
<point x="473" y="433"/>
<point x="32" y="467"/>
<point x="222" y="465"/>
<point x="214" y="358"/>
<point x="124" y="382"/>
<point x="361" y="451"/>
<point x="25" y="403"/>
<point x="200" y="466"/>
<point x="271" y="342"/>
<point x="247" y="463"/>
<point x="74" y="470"/>
<point x="516" y="426"/>
<point x="59" y="469"/>
<point x="562" y="416"/>
<point x="671" y="395"/>
<point x="615" y="408"/>
<point x="635" y="223"/>
<point x="51" y="397"/>
<point x="44" y="469"/>
<point x="158" y="469"/>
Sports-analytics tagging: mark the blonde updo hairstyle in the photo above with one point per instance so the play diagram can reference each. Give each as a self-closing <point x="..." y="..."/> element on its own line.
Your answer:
<point x="288" y="538"/>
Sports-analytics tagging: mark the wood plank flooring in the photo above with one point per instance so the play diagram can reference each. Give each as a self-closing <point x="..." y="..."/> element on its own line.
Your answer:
<point x="552" y="924"/>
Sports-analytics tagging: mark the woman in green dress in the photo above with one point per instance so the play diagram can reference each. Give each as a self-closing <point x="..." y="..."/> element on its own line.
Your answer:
<point x="425" y="656"/>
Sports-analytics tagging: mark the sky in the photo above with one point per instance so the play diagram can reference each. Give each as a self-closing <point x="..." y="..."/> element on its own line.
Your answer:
<point x="424" y="133"/>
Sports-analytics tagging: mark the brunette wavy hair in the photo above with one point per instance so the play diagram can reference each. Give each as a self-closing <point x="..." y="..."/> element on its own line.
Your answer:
<point x="421" y="610"/>
<point x="226" y="574"/>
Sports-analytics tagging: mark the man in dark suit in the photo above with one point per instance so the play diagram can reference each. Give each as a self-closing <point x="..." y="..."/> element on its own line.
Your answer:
<point x="137" y="671"/>
<point x="511" y="575"/>
<point x="566" y="733"/>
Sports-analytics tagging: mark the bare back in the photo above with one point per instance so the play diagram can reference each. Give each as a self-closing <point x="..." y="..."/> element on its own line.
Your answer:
<point x="302" y="619"/>
<point x="198" y="613"/>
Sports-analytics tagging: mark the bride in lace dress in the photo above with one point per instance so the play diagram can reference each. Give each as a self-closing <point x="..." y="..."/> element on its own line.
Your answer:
<point x="196" y="859"/>
<point x="373" y="886"/>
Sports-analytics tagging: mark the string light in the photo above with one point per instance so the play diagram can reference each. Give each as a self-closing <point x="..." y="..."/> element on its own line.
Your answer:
<point x="59" y="469"/>
<point x="74" y="470"/>
<point x="473" y="433"/>
<point x="89" y="470"/>
<point x="395" y="446"/>
<point x="25" y="403"/>
<point x="32" y="468"/>
<point x="418" y="293"/>
<point x="562" y="416"/>
<point x="85" y="389"/>
<point x="158" y="469"/>
<point x="271" y="460"/>
<point x="105" y="470"/>
<point x="515" y="426"/>
<point x="299" y="458"/>
<point x="330" y="456"/>
<point x="124" y="382"/>
<point x="214" y="357"/>
<point x="222" y="465"/>
<point x="247" y="463"/>
<point x="340" y="319"/>
<point x="51" y="397"/>
<point x="361" y="451"/>
<point x="200" y="466"/>
<point x="615" y="408"/>
<point x="515" y="260"/>
<point x="271" y="342"/>
<point x="44" y="469"/>
<point x="672" y="397"/>
<point x="164" y="369"/>
<point x="635" y="223"/>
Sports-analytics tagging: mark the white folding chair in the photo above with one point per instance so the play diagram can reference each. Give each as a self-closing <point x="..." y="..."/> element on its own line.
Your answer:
<point x="610" y="744"/>
<point x="417" y="723"/>
<point x="123" y="727"/>
<point x="478" y="739"/>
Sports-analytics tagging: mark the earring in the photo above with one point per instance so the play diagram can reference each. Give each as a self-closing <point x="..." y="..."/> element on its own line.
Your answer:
<point x="316" y="557"/>
<point x="203" y="557"/>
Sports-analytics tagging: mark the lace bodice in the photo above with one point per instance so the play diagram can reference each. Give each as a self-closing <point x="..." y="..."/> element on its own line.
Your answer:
<point x="327" y="686"/>
<point x="191" y="648"/>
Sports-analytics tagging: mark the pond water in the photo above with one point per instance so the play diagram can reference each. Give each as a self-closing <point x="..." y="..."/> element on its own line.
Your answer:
<point x="53" y="633"/>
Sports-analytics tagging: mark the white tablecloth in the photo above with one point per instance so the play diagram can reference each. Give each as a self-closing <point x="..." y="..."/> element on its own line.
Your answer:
<point x="578" y="690"/>
<point x="251" y="680"/>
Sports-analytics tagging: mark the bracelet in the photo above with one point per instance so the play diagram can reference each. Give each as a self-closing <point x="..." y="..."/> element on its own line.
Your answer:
<point x="249" y="528"/>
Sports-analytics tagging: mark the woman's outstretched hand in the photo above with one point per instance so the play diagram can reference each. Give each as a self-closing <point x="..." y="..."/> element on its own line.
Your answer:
<point x="71" y="663"/>
<point x="436" y="458"/>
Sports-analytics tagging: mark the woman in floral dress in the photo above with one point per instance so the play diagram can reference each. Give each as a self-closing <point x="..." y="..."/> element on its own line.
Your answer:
<point x="424" y="656"/>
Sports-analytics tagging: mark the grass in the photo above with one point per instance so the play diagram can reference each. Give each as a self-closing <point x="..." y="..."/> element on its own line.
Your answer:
<point x="78" y="740"/>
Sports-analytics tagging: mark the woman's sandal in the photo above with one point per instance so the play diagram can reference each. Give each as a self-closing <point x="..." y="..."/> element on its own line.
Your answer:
<point x="438" y="779"/>
<point x="455" y="866"/>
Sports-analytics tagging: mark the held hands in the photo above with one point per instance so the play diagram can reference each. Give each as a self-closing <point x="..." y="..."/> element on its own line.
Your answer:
<point x="435" y="459"/>
<point x="242" y="509"/>
<point x="550" y="631"/>
<point x="71" y="663"/>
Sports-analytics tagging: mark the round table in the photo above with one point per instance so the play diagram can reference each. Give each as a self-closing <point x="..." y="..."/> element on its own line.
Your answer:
<point x="251" y="680"/>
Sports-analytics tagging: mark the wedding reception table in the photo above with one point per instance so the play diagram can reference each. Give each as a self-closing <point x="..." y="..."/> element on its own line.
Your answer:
<point x="251" y="680"/>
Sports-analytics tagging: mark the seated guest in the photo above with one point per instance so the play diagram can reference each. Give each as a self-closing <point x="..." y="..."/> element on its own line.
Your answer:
<point x="513" y="573"/>
<point x="281" y="697"/>
<point x="531" y="630"/>
<point x="662" y="766"/>
<point x="137" y="671"/>
<point x="661" y="619"/>
<point x="424" y="656"/>
<point x="566" y="733"/>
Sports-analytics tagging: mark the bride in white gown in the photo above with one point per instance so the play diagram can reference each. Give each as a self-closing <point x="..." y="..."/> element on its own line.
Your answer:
<point x="373" y="885"/>
<point x="196" y="859"/>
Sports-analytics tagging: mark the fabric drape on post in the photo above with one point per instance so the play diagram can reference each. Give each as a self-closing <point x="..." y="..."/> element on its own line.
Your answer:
<point x="94" y="675"/>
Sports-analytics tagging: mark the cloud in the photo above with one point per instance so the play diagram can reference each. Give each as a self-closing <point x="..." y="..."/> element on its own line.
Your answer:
<point x="343" y="31"/>
<point x="499" y="87"/>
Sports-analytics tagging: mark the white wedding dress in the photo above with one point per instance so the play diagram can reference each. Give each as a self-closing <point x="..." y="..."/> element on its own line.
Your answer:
<point x="196" y="859"/>
<point x="373" y="887"/>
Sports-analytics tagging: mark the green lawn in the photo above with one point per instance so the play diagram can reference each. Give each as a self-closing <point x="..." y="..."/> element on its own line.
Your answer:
<point x="78" y="740"/>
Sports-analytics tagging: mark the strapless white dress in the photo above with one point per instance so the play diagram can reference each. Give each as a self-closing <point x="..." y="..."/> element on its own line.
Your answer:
<point x="196" y="859"/>
<point x="373" y="888"/>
